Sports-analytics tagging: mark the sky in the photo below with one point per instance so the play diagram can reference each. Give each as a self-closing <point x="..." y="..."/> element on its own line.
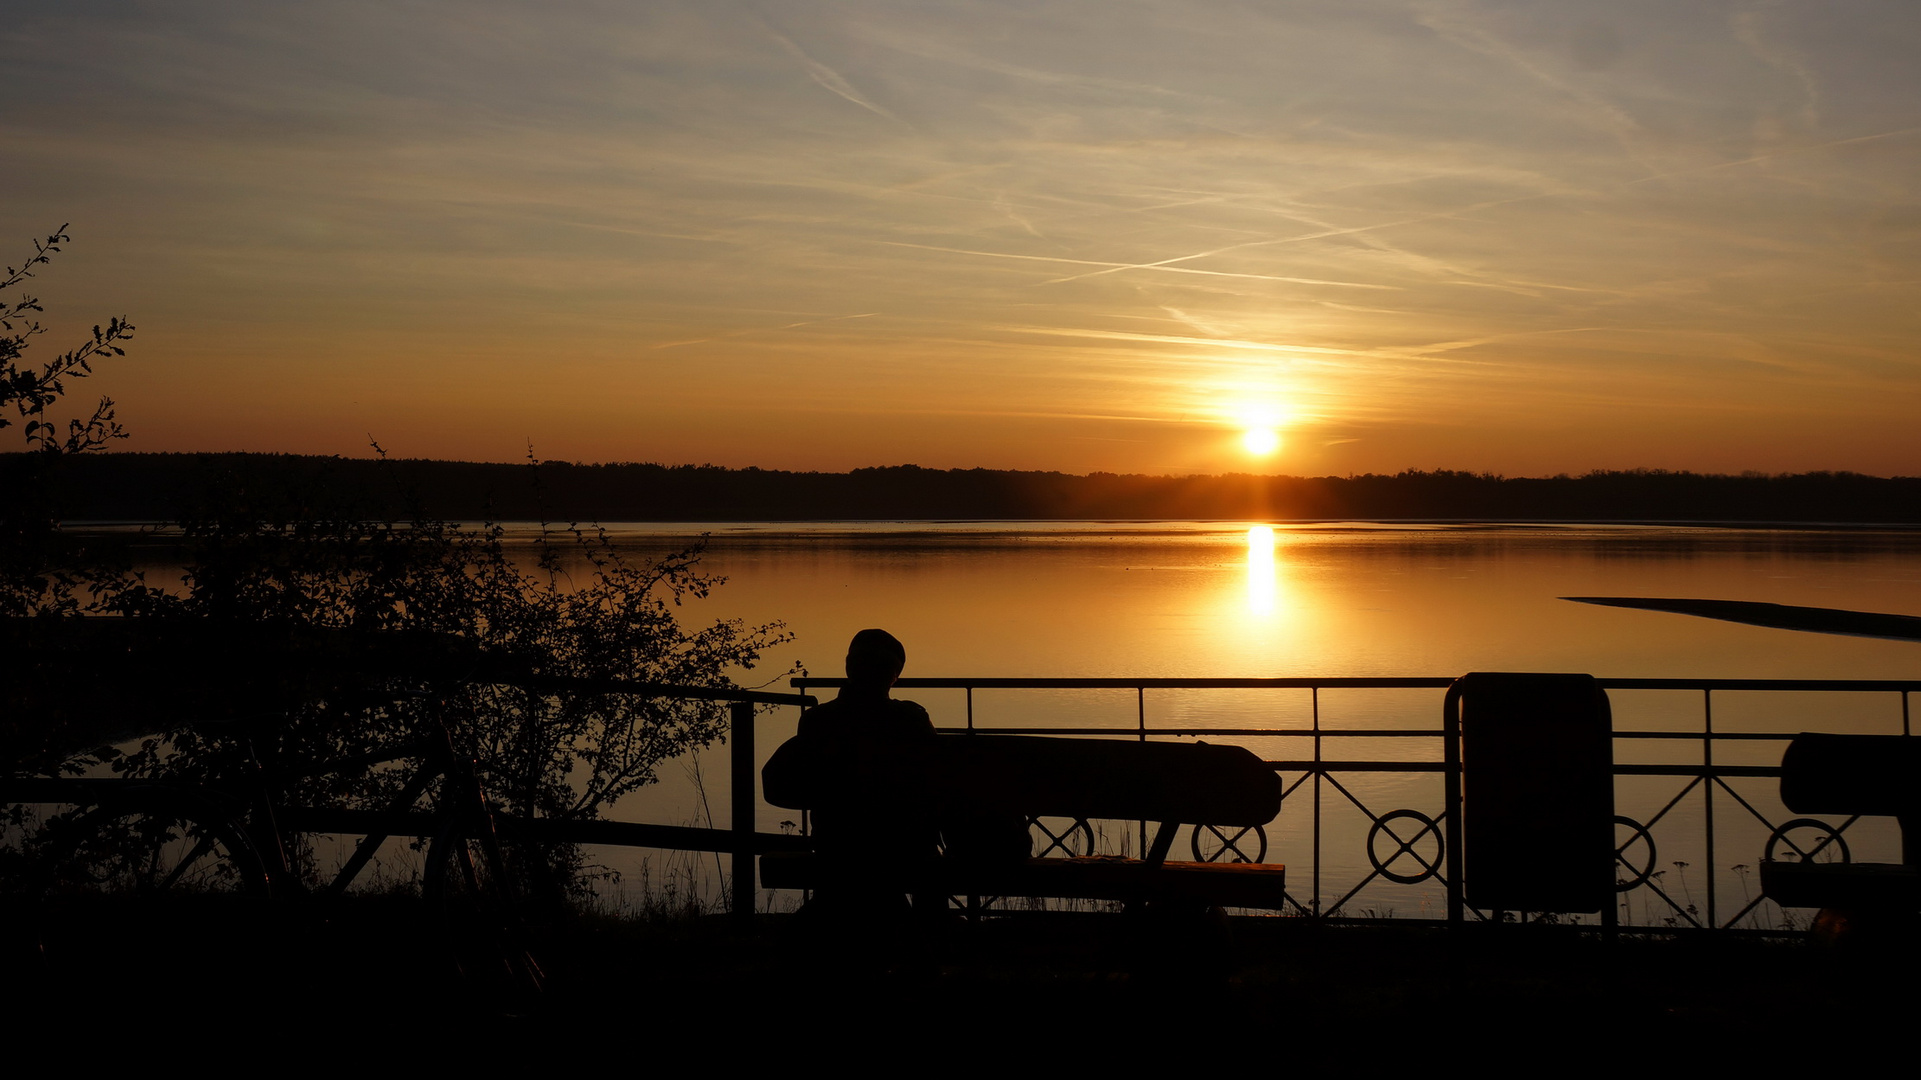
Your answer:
<point x="1113" y="235"/>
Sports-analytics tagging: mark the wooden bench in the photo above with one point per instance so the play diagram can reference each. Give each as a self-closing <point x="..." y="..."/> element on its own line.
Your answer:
<point x="1172" y="784"/>
<point x="1877" y="775"/>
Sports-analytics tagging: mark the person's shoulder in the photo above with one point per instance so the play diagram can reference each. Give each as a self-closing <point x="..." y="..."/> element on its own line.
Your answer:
<point x="822" y="718"/>
<point x="910" y="712"/>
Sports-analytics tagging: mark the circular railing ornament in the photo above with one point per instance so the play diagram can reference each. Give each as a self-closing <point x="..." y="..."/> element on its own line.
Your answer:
<point x="1405" y="846"/>
<point x="1639" y="870"/>
<point x="1210" y="843"/>
<point x="1830" y="836"/>
<point x="1075" y="840"/>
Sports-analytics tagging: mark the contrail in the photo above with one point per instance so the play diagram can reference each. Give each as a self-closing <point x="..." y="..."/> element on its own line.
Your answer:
<point x="832" y="81"/>
<point x="1176" y="339"/>
<point x="1327" y="231"/>
<point x="1778" y="154"/>
<point x="1137" y="266"/>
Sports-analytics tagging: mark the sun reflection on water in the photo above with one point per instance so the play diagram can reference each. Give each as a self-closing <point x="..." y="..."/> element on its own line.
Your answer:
<point x="1262" y="586"/>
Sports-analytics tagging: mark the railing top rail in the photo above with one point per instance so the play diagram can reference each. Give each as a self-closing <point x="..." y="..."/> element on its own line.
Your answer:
<point x="1352" y="733"/>
<point x="1434" y="683"/>
<point x="1845" y="685"/>
<point x="1366" y="683"/>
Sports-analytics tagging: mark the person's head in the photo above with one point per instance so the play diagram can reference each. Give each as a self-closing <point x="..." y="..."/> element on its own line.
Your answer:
<point x="875" y="659"/>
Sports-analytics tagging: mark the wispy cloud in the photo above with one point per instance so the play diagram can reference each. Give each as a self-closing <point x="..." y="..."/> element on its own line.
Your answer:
<point x="830" y="80"/>
<point x="1167" y="266"/>
<point x="1751" y="29"/>
<point x="1779" y="153"/>
<point x="763" y="330"/>
<point x="1175" y="339"/>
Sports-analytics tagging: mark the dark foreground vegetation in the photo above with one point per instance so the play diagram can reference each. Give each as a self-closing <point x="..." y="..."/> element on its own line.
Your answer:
<point x="148" y="487"/>
<point x="371" y="983"/>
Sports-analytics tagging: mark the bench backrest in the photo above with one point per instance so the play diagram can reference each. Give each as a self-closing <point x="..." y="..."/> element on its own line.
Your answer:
<point x="1852" y="774"/>
<point x="1038" y="776"/>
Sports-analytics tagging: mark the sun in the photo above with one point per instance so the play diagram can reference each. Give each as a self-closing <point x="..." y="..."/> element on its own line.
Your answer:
<point x="1261" y="441"/>
<point x="1260" y="417"/>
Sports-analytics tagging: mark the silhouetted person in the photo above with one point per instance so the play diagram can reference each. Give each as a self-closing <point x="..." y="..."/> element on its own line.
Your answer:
<point x="875" y="832"/>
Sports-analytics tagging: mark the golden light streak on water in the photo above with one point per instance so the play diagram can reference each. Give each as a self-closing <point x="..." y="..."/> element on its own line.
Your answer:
<point x="1263" y="584"/>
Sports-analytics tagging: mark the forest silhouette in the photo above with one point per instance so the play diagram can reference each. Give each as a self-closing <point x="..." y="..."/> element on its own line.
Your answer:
<point x="151" y="487"/>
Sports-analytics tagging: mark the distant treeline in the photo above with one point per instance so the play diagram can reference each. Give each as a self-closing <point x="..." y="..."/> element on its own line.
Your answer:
<point x="160" y="487"/>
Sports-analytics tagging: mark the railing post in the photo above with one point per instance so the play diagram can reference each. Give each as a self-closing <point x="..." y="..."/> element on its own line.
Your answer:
<point x="1451" y="801"/>
<point x="1315" y="697"/>
<point x="1140" y="723"/>
<point x="746" y="801"/>
<point x="1707" y="795"/>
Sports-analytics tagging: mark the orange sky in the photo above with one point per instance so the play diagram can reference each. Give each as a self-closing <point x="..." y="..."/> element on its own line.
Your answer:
<point x="1078" y="236"/>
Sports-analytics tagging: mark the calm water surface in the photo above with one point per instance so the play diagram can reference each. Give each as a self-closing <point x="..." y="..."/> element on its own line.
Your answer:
<point x="1201" y="599"/>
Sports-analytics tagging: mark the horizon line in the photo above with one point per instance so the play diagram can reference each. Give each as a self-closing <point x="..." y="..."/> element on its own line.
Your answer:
<point x="1471" y="474"/>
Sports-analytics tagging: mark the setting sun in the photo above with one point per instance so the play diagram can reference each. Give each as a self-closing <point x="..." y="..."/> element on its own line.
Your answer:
<point x="1261" y="441"/>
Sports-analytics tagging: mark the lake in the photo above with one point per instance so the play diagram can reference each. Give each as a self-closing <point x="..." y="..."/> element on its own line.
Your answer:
<point x="1210" y="599"/>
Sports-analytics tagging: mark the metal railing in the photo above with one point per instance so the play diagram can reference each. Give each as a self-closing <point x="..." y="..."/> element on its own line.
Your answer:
<point x="1406" y="848"/>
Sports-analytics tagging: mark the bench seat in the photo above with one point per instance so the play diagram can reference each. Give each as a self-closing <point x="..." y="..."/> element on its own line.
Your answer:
<point x="1087" y="877"/>
<point x="1842" y="885"/>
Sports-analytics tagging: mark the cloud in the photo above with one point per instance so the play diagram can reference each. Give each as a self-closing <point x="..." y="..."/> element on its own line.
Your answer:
<point x="830" y="80"/>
